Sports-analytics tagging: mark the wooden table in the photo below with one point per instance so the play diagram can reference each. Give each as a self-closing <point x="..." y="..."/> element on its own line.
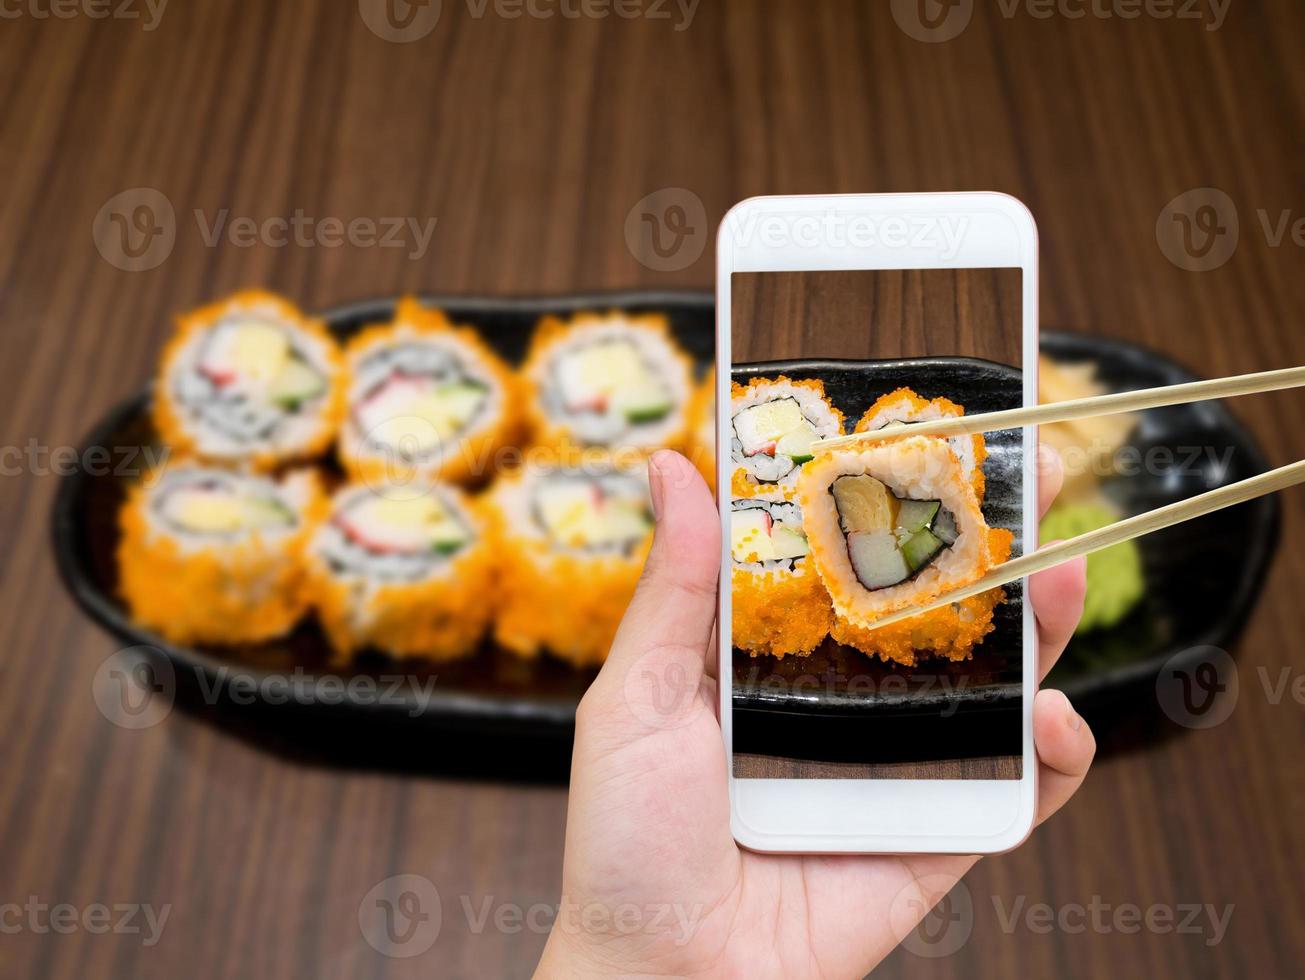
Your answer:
<point x="530" y="140"/>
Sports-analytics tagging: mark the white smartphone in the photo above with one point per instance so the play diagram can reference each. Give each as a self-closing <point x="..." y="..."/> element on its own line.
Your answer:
<point x="844" y="313"/>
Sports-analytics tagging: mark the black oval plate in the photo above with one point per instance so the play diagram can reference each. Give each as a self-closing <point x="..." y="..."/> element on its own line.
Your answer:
<point x="1203" y="576"/>
<point x="839" y="681"/>
<point x="489" y="692"/>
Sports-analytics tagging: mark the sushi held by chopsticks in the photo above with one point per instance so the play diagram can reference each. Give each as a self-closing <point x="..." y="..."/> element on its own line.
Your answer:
<point x="894" y="525"/>
<point x="1001" y="573"/>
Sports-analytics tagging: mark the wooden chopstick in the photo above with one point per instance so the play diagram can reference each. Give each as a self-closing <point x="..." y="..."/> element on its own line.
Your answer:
<point x="1125" y="530"/>
<point x="1080" y="408"/>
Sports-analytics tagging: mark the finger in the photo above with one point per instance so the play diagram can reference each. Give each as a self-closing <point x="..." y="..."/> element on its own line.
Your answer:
<point x="1065" y="747"/>
<point x="674" y="605"/>
<point x="1057" y="595"/>
<point x="712" y="664"/>
<point x="1051" y="477"/>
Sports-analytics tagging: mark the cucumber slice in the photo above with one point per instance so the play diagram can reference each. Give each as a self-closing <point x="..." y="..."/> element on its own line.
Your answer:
<point x="797" y="444"/>
<point x="876" y="559"/>
<point x="648" y="413"/>
<point x="460" y="400"/>
<point x="267" y="512"/>
<point x="915" y="515"/>
<point x="295" y="384"/>
<point x="447" y="536"/>
<point x="920" y="548"/>
<point x="648" y="401"/>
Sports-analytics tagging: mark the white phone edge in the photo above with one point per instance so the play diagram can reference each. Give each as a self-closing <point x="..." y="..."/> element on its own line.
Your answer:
<point x="886" y="816"/>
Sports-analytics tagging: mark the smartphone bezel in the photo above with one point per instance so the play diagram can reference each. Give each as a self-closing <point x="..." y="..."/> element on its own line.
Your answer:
<point x="775" y="234"/>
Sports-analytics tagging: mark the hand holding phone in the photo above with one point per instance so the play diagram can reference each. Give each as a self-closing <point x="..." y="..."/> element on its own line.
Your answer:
<point x="851" y="313"/>
<point x="652" y="880"/>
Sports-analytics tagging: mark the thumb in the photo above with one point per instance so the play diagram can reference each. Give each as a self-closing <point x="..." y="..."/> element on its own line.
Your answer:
<point x="654" y="672"/>
<point x="675" y="602"/>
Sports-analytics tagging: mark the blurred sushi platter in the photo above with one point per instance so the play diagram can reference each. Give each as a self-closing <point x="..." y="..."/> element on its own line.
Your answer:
<point x="455" y="486"/>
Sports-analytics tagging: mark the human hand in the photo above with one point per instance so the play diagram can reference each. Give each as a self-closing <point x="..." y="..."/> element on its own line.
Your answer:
<point x="653" y="882"/>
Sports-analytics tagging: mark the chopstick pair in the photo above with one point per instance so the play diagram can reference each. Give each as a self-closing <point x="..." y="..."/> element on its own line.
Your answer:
<point x="1081" y="408"/>
<point x="1127" y="529"/>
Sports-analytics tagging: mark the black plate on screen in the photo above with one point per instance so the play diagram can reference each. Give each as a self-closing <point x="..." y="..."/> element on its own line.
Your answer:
<point x="1203" y="576"/>
<point x="837" y="680"/>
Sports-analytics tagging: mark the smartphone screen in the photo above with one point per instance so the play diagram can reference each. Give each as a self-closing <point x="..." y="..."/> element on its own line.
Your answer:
<point x="822" y="542"/>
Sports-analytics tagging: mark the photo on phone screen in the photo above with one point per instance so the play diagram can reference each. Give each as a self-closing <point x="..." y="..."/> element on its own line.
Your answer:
<point x="822" y="542"/>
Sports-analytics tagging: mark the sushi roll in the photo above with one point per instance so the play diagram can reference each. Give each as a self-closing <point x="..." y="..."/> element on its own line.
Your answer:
<point x="249" y="380"/>
<point x="774" y="424"/>
<point x="904" y="407"/>
<point x="780" y="606"/>
<point x="211" y="556"/>
<point x="424" y="400"/>
<point x="406" y="570"/>
<point x="618" y="382"/>
<point x="574" y="543"/>
<point x="892" y="525"/>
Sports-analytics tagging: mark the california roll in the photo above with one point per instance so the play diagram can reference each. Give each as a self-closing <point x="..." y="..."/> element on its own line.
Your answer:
<point x="774" y="426"/>
<point x="407" y="570"/>
<point x="211" y="556"/>
<point x="614" y="381"/>
<point x="424" y="400"/>
<point x="779" y="605"/>
<point x="574" y="543"/>
<point x="249" y="380"/>
<point x="892" y="525"/>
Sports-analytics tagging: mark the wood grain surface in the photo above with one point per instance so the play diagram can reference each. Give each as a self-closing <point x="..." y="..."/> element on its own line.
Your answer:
<point x="876" y="314"/>
<point x="531" y="140"/>
<point x="758" y="766"/>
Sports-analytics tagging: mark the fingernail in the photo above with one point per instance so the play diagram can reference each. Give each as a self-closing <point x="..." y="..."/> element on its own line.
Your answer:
<point x="1075" y="720"/>
<point x="655" y="484"/>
